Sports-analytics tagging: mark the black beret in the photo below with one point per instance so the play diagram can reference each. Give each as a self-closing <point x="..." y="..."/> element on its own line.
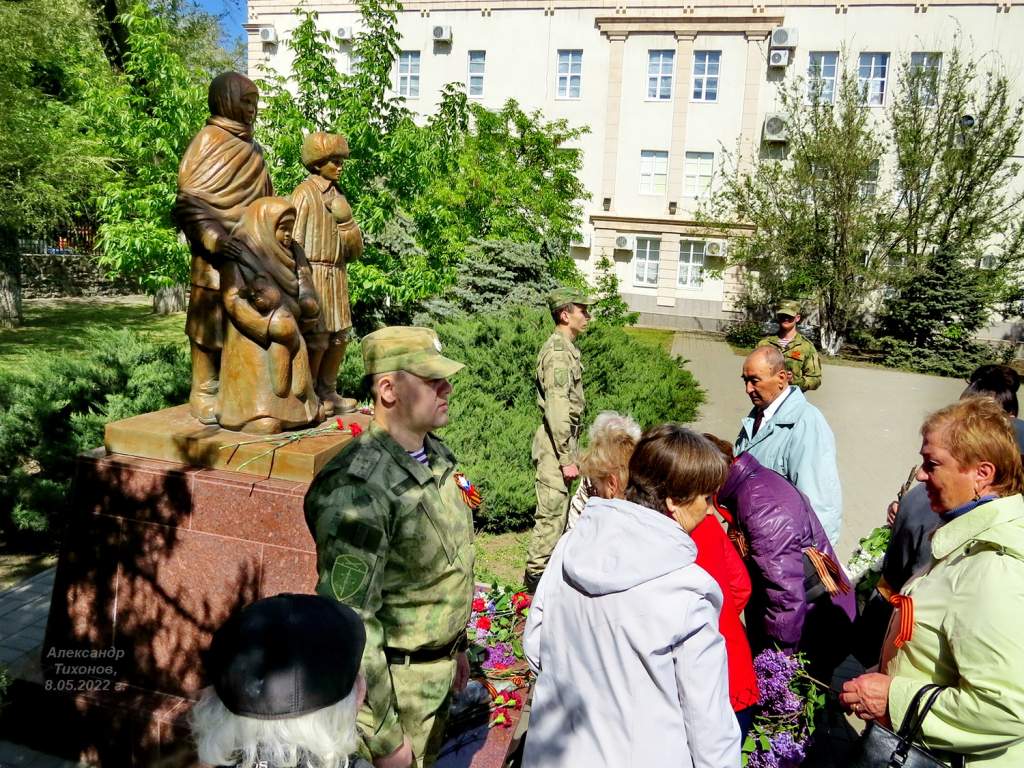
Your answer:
<point x="286" y="656"/>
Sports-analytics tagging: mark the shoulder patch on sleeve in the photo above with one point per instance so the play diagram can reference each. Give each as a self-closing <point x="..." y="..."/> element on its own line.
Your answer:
<point x="348" y="578"/>
<point x="561" y="377"/>
<point x="364" y="462"/>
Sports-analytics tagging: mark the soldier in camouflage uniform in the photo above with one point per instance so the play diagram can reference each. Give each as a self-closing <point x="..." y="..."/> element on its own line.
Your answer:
<point x="393" y="524"/>
<point x="560" y="399"/>
<point x="802" y="361"/>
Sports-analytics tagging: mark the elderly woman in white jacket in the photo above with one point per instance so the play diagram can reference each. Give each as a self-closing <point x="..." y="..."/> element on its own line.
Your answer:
<point x="623" y="630"/>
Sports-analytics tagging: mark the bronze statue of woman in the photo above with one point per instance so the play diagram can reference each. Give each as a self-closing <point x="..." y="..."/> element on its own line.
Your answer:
<point x="221" y="173"/>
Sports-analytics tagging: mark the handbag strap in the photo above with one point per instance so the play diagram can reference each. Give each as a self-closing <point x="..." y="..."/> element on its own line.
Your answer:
<point x="910" y="729"/>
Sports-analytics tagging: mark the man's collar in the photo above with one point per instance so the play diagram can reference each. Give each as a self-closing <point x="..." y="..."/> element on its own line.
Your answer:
<point x="420" y="473"/>
<point x="775" y="404"/>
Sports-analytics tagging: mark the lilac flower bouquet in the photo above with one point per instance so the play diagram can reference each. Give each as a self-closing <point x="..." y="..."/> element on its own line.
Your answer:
<point x="789" y="701"/>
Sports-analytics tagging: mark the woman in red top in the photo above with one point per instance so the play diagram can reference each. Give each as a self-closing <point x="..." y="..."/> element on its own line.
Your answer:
<point x="717" y="555"/>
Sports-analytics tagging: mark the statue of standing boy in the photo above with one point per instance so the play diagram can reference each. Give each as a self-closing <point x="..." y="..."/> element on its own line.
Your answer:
<point x="325" y="229"/>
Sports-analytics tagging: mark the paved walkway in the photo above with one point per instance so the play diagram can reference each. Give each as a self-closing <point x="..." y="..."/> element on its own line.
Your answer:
<point x="875" y="415"/>
<point x="23" y="611"/>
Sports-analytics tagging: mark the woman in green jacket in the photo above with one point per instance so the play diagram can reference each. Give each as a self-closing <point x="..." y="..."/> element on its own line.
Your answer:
<point x="960" y="622"/>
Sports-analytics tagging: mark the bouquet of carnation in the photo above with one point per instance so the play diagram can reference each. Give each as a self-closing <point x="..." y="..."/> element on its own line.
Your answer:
<point x="789" y="701"/>
<point x="496" y="627"/>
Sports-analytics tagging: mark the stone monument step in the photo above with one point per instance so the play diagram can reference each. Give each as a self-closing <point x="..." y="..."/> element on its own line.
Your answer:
<point x="174" y="435"/>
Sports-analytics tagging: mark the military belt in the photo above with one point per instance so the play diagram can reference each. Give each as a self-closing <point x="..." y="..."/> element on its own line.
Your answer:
<point x="424" y="655"/>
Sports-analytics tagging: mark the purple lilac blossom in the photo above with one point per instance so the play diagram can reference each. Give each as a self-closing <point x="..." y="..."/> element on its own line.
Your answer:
<point x="499" y="656"/>
<point x="760" y="759"/>
<point x="775" y="671"/>
<point x="789" y="750"/>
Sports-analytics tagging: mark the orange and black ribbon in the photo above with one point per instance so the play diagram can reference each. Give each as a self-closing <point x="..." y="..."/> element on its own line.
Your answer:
<point x="470" y="494"/>
<point x="905" y="605"/>
<point x="829" y="572"/>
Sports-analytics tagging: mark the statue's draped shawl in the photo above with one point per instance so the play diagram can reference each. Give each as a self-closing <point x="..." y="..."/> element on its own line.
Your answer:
<point x="258" y="230"/>
<point x="220" y="175"/>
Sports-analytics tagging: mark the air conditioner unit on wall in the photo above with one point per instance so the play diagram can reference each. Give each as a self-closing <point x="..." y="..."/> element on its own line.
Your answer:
<point x="268" y="35"/>
<point x="715" y="249"/>
<point x="778" y="58"/>
<point x="583" y="241"/>
<point x="442" y="34"/>
<point x="346" y="33"/>
<point x="625" y="242"/>
<point x="784" y="37"/>
<point x="775" y="128"/>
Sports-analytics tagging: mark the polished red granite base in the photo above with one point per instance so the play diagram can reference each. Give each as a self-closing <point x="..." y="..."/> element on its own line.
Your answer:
<point x="157" y="556"/>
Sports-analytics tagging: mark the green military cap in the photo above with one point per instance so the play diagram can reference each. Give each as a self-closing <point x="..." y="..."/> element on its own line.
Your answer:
<point x="562" y="296"/>
<point x="788" y="307"/>
<point x="405" y="348"/>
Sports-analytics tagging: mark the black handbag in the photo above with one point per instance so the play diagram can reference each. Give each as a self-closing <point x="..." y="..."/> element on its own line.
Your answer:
<point x="882" y="748"/>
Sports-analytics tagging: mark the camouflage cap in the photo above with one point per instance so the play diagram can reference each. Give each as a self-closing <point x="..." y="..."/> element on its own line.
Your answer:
<point x="406" y="348"/>
<point x="788" y="307"/>
<point x="562" y="296"/>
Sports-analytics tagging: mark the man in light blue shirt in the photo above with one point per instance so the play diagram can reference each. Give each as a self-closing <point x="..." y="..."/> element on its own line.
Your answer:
<point x="786" y="433"/>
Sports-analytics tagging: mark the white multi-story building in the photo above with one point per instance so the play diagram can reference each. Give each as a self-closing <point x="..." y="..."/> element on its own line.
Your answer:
<point x="663" y="88"/>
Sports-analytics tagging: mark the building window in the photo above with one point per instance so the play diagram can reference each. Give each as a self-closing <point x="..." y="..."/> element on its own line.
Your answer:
<point x="659" y="74"/>
<point x="986" y="261"/>
<point x="869" y="183"/>
<point x="691" y="263"/>
<point x="409" y="74"/>
<point x="925" y="68"/>
<point x="821" y="76"/>
<point x="697" y="171"/>
<point x="653" y="171"/>
<point x="873" y="73"/>
<point x="570" y="74"/>
<point x="706" y="66"/>
<point x="645" y="260"/>
<point x="477" y="61"/>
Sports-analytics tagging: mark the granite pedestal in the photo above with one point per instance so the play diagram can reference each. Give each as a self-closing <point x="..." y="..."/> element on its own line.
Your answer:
<point x="158" y="553"/>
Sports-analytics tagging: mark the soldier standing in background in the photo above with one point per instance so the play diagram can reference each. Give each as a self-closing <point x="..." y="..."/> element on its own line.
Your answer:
<point x="560" y="399"/>
<point x="802" y="361"/>
<point x="393" y="524"/>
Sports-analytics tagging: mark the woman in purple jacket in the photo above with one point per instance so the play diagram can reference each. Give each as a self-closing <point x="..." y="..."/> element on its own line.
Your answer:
<point x="789" y="609"/>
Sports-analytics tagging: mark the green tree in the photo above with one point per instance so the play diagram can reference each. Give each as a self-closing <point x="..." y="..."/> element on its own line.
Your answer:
<point x="958" y="204"/>
<point x="48" y="160"/>
<point x="815" y="216"/>
<point x="609" y="307"/>
<point x="146" y="117"/>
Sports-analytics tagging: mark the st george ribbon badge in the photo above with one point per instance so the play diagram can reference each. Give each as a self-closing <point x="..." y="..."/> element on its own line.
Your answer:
<point x="470" y="494"/>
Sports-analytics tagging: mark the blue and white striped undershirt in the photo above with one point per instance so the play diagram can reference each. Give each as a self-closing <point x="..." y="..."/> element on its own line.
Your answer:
<point x="420" y="455"/>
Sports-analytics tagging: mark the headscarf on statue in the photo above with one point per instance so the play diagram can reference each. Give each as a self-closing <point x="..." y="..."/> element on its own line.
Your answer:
<point x="222" y="171"/>
<point x="258" y="230"/>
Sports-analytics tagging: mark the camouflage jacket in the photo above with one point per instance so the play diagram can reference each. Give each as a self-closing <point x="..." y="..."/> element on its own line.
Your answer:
<point x="560" y="394"/>
<point x="801" y="360"/>
<point x="394" y="540"/>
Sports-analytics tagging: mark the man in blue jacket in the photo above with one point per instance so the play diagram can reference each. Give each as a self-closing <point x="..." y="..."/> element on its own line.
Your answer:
<point x="786" y="433"/>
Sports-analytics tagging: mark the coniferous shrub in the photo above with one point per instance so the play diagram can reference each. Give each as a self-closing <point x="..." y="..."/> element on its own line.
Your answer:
<point x="494" y="412"/>
<point x="47" y="419"/>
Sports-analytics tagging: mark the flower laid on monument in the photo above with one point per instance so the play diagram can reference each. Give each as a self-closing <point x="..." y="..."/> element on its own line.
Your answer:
<point x="496" y="629"/>
<point x="503" y="704"/>
<point x="282" y="439"/>
<point x="790" y="698"/>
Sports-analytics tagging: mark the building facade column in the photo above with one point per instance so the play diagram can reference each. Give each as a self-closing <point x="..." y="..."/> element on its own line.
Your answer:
<point x="749" y="129"/>
<point x="613" y="117"/>
<point x="668" y="269"/>
<point x="680" y="107"/>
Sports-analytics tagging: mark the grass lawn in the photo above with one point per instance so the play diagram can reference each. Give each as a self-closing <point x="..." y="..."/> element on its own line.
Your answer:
<point x="56" y="327"/>
<point x="657" y="336"/>
<point x="501" y="557"/>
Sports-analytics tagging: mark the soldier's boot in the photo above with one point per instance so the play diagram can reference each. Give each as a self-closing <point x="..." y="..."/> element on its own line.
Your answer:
<point x="327" y="380"/>
<point x="202" y="399"/>
<point x="530" y="582"/>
